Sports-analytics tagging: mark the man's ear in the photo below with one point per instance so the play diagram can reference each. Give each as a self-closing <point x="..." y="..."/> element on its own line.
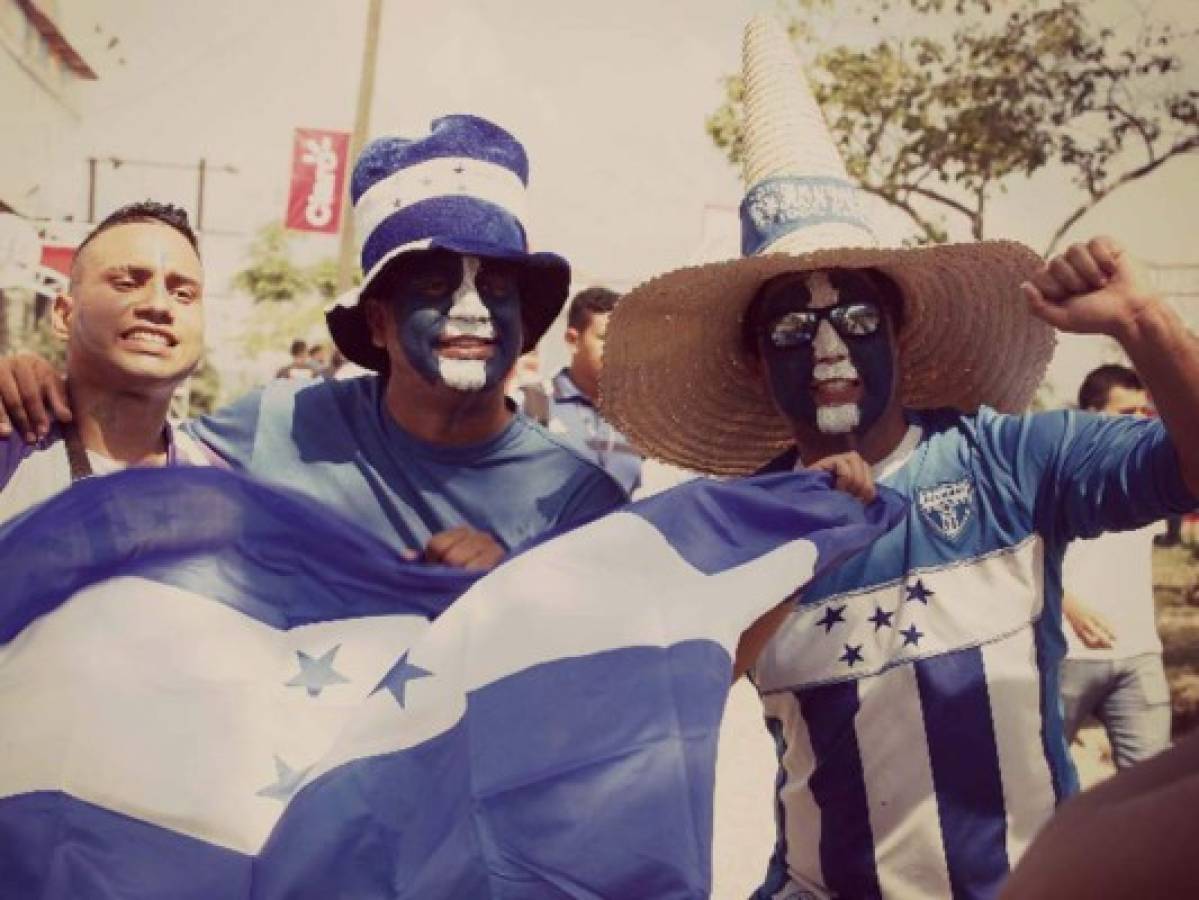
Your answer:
<point x="61" y="313"/>
<point x="571" y="336"/>
<point x="375" y="315"/>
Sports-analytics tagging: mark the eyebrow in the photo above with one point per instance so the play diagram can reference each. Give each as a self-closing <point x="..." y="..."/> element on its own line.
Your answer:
<point x="145" y="270"/>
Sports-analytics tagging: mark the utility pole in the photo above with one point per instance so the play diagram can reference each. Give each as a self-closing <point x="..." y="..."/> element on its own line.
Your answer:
<point x="91" y="189"/>
<point x="346" y="261"/>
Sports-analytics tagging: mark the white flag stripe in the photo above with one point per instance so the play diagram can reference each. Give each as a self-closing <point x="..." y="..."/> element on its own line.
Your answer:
<point x="651" y="598"/>
<point x="1016" y="711"/>
<point x="119" y="711"/>
<point x="441" y="177"/>
<point x="899" y="787"/>
<point x="951" y="619"/>
<point x="802" y="822"/>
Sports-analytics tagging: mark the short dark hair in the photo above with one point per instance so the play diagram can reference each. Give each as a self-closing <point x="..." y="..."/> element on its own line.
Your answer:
<point x="145" y="211"/>
<point x="587" y="303"/>
<point x="889" y="292"/>
<point x="298" y="346"/>
<point x="1097" y="386"/>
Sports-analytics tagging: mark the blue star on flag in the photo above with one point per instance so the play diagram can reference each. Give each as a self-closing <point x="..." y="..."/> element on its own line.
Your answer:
<point x="397" y="678"/>
<point x="911" y="636"/>
<point x="316" y="674"/>
<point x="919" y="592"/>
<point x="852" y="655"/>
<point x="881" y="618"/>
<point x="832" y="615"/>
<point x="287" y="781"/>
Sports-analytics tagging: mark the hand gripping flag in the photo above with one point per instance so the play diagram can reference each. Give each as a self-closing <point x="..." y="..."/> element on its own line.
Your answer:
<point x="213" y="689"/>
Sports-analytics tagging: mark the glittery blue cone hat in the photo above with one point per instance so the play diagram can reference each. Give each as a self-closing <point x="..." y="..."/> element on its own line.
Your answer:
<point x="675" y="376"/>
<point x="461" y="188"/>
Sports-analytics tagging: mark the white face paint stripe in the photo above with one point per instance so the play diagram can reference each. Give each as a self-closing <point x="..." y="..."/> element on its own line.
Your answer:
<point x="822" y="291"/>
<point x="468" y="316"/>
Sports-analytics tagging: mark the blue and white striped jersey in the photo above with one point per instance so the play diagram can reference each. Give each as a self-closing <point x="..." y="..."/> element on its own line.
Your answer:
<point x="913" y="694"/>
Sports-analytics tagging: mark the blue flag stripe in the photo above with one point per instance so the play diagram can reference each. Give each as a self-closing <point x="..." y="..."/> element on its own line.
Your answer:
<point x="965" y="766"/>
<point x="100" y="853"/>
<point x="838" y="786"/>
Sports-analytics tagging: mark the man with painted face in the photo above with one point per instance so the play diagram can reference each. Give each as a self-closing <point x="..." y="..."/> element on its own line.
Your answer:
<point x="428" y="455"/>
<point x="912" y="693"/>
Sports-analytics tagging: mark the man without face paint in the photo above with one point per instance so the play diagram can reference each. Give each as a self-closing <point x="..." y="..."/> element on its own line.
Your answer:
<point x="133" y="325"/>
<point x="427" y="454"/>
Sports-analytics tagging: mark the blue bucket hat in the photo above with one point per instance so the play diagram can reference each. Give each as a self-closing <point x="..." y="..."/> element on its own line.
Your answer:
<point x="460" y="188"/>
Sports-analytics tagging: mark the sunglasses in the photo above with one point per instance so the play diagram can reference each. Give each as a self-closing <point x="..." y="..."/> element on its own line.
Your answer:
<point x="856" y="319"/>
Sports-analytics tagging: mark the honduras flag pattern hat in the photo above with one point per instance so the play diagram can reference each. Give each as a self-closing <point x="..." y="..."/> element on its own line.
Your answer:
<point x="460" y="188"/>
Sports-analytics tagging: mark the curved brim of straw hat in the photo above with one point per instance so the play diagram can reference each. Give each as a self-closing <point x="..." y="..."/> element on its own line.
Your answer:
<point x="545" y="284"/>
<point x="676" y="381"/>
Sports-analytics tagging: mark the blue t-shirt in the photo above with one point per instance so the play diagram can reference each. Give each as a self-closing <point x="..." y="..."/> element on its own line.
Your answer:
<point x="573" y="415"/>
<point x="913" y="695"/>
<point x="335" y="441"/>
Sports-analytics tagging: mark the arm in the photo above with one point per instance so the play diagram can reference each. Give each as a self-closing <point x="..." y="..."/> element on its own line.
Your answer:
<point x="1132" y="836"/>
<point x="1095" y="288"/>
<point x="850" y="474"/>
<point x="1092" y="629"/>
<point x="31" y="391"/>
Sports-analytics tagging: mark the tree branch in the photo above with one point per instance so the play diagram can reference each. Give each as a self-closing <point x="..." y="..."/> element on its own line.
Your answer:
<point x="1189" y="145"/>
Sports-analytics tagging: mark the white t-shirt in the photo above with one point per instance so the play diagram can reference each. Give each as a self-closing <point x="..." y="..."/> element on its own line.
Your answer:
<point x="1113" y="576"/>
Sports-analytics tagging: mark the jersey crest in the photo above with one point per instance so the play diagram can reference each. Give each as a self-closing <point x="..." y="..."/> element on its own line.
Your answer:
<point x="948" y="507"/>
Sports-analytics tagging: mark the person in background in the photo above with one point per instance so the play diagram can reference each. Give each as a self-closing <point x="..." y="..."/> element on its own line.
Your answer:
<point x="574" y="393"/>
<point x="132" y="320"/>
<point x="300" y="367"/>
<point x="320" y="361"/>
<point x="1113" y="667"/>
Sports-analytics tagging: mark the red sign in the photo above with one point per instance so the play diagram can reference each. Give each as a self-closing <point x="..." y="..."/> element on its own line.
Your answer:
<point x="58" y="257"/>
<point x="318" y="177"/>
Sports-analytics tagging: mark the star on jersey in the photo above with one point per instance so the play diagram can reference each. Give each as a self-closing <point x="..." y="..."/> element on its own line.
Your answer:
<point x="397" y="678"/>
<point x="316" y="674"/>
<point x="852" y="655"/>
<point x="919" y="592"/>
<point x="881" y="618"/>
<point x="832" y="616"/>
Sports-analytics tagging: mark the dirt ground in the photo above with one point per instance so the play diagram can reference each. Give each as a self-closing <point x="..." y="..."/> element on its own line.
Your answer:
<point x="745" y="769"/>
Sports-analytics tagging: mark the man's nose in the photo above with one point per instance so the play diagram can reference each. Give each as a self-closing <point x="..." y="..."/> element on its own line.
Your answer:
<point x="154" y="302"/>
<point x="827" y="345"/>
<point x="467" y="304"/>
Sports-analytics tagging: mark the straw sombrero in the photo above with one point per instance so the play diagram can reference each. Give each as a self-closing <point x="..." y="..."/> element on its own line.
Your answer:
<point x="675" y="379"/>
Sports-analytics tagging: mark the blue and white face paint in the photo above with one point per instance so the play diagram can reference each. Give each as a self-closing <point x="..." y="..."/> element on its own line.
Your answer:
<point x="827" y="353"/>
<point x="458" y="319"/>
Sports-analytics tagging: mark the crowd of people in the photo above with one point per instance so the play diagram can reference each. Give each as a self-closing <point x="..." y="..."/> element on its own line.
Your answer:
<point x="917" y="694"/>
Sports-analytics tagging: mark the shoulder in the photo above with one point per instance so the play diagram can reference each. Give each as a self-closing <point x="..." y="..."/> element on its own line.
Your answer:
<point x="558" y="454"/>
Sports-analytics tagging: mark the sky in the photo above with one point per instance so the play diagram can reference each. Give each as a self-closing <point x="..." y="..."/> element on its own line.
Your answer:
<point x="609" y="99"/>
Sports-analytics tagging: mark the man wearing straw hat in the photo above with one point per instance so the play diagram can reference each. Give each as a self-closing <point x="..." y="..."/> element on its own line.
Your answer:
<point x="912" y="694"/>
<point x="428" y="456"/>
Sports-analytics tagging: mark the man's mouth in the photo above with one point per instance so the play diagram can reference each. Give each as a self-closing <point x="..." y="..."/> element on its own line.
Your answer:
<point x="836" y="391"/>
<point x="465" y="347"/>
<point x="145" y="338"/>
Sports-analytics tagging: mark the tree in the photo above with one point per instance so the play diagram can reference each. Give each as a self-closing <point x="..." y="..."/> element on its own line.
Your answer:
<point x="935" y="121"/>
<point x="290" y="297"/>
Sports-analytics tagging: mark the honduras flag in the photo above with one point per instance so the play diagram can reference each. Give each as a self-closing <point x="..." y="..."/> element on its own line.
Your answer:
<point x="213" y="689"/>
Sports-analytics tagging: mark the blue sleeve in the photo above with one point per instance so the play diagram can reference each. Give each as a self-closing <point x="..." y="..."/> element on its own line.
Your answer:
<point x="231" y="432"/>
<point x="597" y="494"/>
<point x="1081" y="474"/>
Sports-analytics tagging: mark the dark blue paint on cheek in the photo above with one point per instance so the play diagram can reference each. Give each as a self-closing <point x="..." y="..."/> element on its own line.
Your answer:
<point x="509" y="334"/>
<point x="872" y="356"/>
<point x="790" y="374"/>
<point x="419" y="322"/>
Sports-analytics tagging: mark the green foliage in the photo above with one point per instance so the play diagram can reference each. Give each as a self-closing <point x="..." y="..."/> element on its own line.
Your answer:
<point x="949" y="98"/>
<point x="290" y="298"/>
<point x="204" y="387"/>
